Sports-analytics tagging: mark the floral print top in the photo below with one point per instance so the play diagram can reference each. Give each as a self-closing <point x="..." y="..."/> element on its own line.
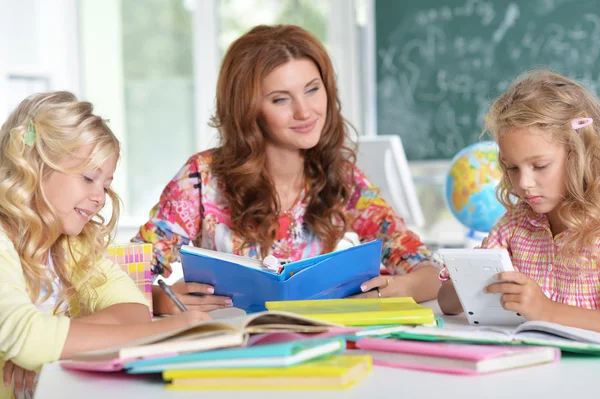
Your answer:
<point x="192" y="209"/>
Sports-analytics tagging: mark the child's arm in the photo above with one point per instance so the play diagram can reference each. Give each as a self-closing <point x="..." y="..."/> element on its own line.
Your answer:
<point x="121" y="313"/>
<point x="588" y="319"/>
<point x="448" y="299"/>
<point x="497" y="238"/>
<point x="523" y="295"/>
<point x="84" y="336"/>
<point x="115" y="299"/>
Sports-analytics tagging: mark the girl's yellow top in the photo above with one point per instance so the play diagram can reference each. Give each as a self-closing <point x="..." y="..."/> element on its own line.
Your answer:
<point x="31" y="338"/>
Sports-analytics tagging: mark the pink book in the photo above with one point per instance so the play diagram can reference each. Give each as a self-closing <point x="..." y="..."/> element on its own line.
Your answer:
<point x="442" y="357"/>
<point x="101" y="365"/>
<point x="107" y="365"/>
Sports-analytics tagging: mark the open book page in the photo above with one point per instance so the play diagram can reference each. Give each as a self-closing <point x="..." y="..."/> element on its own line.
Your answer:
<point x="240" y="260"/>
<point x="529" y="333"/>
<point x="167" y="341"/>
<point x="264" y="322"/>
<point x="544" y="332"/>
<point x="299" y="265"/>
<point x="483" y="334"/>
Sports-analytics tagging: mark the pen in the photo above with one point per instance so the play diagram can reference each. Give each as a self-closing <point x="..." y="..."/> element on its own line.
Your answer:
<point x="171" y="295"/>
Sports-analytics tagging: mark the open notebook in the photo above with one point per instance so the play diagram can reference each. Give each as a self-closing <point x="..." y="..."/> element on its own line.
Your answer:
<point x="206" y="335"/>
<point x="539" y="333"/>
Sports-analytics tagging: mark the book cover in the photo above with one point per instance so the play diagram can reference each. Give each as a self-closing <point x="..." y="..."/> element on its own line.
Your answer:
<point x="333" y="372"/>
<point x="359" y="311"/>
<point x="283" y="354"/>
<point x="206" y="335"/>
<point x="452" y="358"/>
<point x="334" y="275"/>
<point x="538" y="333"/>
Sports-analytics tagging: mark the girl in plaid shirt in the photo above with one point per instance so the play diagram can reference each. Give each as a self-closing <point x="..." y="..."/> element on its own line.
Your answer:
<point x="548" y="130"/>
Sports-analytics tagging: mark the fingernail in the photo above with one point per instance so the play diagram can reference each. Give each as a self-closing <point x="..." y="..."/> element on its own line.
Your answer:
<point x="228" y="302"/>
<point x="210" y="290"/>
<point x="6" y="383"/>
<point x="363" y="288"/>
<point x="485" y="289"/>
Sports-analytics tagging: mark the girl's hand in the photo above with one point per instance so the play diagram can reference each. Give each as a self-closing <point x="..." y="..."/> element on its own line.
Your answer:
<point x="194" y="296"/>
<point x="194" y="316"/>
<point x="184" y="319"/>
<point x="382" y="287"/>
<point x="522" y="295"/>
<point x="22" y="378"/>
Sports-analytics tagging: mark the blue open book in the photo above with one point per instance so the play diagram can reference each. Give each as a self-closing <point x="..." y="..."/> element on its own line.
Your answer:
<point x="334" y="275"/>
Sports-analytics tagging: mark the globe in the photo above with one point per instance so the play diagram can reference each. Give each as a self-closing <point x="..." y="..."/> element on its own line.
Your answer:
<point x="470" y="190"/>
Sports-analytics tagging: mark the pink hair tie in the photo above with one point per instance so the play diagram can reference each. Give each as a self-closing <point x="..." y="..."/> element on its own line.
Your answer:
<point x="581" y="122"/>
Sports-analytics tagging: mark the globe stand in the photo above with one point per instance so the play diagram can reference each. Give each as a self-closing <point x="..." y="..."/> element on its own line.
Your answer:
<point x="473" y="238"/>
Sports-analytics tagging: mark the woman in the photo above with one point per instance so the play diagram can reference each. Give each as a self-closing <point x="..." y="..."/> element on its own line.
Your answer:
<point x="283" y="180"/>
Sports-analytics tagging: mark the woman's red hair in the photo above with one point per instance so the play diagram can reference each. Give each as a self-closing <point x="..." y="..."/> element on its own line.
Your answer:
<point x="239" y="162"/>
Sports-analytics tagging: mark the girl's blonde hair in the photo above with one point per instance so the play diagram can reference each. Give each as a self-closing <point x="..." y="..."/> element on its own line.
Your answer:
<point x="549" y="102"/>
<point x="63" y="125"/>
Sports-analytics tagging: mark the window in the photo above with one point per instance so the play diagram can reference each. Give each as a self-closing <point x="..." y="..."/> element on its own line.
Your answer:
<point x="237" y="17"/>
<point x="150" y="67"/>
<point x="153" y="73"/>
<point x="31" y="59"/>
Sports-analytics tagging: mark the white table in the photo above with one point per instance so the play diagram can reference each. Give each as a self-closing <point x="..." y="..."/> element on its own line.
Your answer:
<point x="571" y="377"/>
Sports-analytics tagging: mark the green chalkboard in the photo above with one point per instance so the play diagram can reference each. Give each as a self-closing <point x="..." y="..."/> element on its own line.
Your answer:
<point x="440" y="63"/>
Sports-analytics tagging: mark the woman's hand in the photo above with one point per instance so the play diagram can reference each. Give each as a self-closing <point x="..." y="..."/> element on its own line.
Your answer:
<point x="194" y="296"/>
<point x="18" y="376"/>
<point x="421" y="284"/>
<point x="385" y="286"/>
<point x="522" y="295"/>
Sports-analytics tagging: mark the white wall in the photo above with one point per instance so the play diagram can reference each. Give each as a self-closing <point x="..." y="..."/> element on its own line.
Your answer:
<point x="38" y="41"/>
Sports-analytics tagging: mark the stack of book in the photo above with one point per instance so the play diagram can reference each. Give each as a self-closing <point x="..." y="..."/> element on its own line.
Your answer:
<point x="302" y="346"/>
<point x="213" y="354"/>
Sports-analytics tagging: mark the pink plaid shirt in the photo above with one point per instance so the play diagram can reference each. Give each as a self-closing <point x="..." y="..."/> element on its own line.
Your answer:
<point x="528" y="238"/>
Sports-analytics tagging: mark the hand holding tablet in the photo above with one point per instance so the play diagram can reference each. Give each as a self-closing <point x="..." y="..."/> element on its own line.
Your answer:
<point x="471" y="270"/>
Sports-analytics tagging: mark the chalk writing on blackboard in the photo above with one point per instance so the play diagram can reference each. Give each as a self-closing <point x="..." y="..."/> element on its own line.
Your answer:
<point x="440" y="66"/>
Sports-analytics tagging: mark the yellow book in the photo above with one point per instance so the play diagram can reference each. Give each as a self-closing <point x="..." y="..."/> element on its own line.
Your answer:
<point x="359" y="311"/>
<point x="334" y="372"/>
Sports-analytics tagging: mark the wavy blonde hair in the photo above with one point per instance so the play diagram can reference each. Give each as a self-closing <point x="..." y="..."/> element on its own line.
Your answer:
<point x="240" y="161"/>
<point x="63" y="125"/>
<point x="549" y="102"/>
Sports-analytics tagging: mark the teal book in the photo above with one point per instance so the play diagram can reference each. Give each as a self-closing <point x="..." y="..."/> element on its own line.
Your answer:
<point x="281" y="354"/>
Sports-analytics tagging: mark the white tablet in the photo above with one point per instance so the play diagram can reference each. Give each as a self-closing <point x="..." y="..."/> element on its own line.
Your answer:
<point x="471" y="270"/>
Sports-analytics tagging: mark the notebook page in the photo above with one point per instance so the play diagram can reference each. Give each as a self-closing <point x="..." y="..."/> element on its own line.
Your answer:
<point x="240" y="260"/>
<point x="553" y="329"/>
<point x="470" y="333"/>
